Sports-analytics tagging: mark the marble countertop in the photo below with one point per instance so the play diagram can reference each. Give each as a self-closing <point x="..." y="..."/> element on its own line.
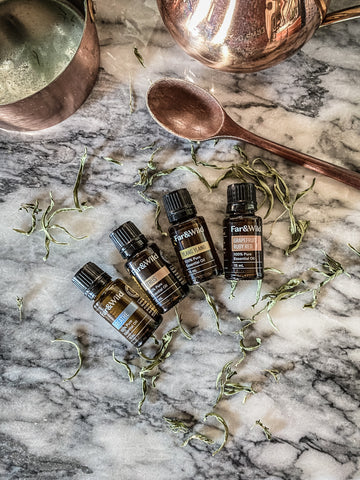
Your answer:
<point x="89" y="427"/>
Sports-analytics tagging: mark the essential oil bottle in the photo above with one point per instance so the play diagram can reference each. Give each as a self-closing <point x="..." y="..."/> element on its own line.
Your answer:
<point x="134" y="317"/>
<point x="243" y="247"/>
<point x="149" y="268"/>
<point x="191" y="238"/>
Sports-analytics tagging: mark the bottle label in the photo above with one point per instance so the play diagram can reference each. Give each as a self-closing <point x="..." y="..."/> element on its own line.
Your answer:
<point x="126" y="311"/>
<point x="246" y="243"/>
<point x="156" y="277"/>
<point x="194" y="250"/>
<point x="243" y="251"/>
<point x="124" y="315"/>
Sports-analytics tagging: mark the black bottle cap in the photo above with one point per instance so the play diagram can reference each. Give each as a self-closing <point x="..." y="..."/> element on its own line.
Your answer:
<point x="178" y="205"/>
<point x="241" y="196"/>
<point x="128" y="239"/>
<point x="91" y="279"/>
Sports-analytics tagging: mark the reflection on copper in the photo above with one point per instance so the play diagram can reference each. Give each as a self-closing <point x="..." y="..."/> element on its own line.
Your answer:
<point x="223" y="31"/>
<point x="244" y="35"/>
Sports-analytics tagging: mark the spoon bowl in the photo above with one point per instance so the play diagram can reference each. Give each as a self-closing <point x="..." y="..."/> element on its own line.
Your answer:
<point x="188" y="111"/>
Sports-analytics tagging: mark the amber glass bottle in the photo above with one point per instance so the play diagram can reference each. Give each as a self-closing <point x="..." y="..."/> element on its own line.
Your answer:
<point x="134" y="317"/>
<point x="191" y="238"/>
<point x="149" y="268"/>
<point x="243" y="248"/>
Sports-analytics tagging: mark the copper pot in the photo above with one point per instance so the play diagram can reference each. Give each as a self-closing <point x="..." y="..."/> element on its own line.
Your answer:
<point x="49" y="60"/>
<point x="246" y="35"/>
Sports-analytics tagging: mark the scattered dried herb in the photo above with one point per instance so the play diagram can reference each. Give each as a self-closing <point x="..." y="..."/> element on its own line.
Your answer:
<point x="176" y="426"/>
<point x="153" y="362"/>
<point x="234" y="284"/>
<point x="49" y="214"/>
<point x="126" y="366"/>
<point x="274" y="373"/>
<point x="184" y="332"/>
<point x="78" y="353"/>
<point x="266" y="430"/>
<point x="212" y="305"/>
<point x="20" y="304"/>
<point x="331" y="269"/>
<point x="220" y="419"/>
<point x="354" y="249"/>
<point x="200" y="437"/>
<point x="78" y="205"/>
<point x="112" y="160"/>
<point x="33" y="209"/>
<point x="144" y="394"/>
<point x="227" y="388"/>
<point x="139" y="57"/>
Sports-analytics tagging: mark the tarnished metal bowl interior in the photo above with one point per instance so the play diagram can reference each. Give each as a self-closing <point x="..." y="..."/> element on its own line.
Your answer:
<point x="49" y="60"/>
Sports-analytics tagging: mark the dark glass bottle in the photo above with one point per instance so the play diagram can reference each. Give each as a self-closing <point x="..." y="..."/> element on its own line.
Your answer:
<point x="191" y="238"/>
<point x="134" y="317"/>
<point x="243" y="248"/>
<point x="149" y="268"/>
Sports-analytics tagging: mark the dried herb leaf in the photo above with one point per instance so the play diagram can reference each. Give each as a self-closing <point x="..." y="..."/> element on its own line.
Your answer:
<point x="266" y="430"/>
<point x="20" y="304"/>
<point x="80" y="173"/>
<point x="112" y="160"/>
<point x="331" y="269"/>
<point x="234" y="284"/>
<point x="176" y="426"/>
<point x="274" y="373"/>
<point x="157" y="212"/>
<point x="212" y="305"/>
<point x="354" y="249"/>
<point x="126" y="366"/>
<point x="139" y="57"/>
<point x="144" y="394"/>
<point x="153" y="362"/>
<point x="184" y="332"/>
<point x="78" y="353"/>
<point x="200" y="437"/>
<point x="34" y="209"/>
<point x="220" y="419"/>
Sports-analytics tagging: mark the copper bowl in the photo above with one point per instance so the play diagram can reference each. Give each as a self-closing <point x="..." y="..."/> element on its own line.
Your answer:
<point x="246" y="35"/>
<point x="49" y="60"/>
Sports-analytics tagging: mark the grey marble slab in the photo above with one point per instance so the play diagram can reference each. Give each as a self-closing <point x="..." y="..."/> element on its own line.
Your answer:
<point x="89" y="427"/>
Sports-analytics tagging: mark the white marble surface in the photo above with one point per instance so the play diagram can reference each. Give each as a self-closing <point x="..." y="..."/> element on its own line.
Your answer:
<point x="89" y="428"/>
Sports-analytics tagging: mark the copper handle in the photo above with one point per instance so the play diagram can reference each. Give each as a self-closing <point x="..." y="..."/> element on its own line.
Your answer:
<point x="341" y="16"/>
<point x="230" y="129"/>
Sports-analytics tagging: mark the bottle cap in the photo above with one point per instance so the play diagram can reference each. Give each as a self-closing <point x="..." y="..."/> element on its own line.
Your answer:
<point x="128" y="239"/>
<point x="241" y="196"/>
<point x="178" y="205"/>
<point x="90" y="280"/>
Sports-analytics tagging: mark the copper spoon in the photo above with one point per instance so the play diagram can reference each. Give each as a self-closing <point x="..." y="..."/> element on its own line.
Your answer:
<point x="188" y="111"/>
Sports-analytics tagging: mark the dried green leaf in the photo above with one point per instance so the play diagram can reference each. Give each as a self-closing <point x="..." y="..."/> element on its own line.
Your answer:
<point x="176" y="426"/>
<point x="34" y="209"/>
<point x="144" y="394"/>
<point x="354" y="249"/>
<point x="212" y="305"/>
<point x="200" y="437"/>
<point x="220" y="419"/>
<point x="184" y="332"/>
<point x="20" y="304"/>
<point x="112" y="160"/>
<point x="78" y="353"/>
<point x="274" y="373"/>
<point x="157" y="212"/>
<point x="139" y="57"/>
<point x="266" y="430"/>
<point x="126" y="366"/>
<point x="80" y="173"/>
<point x="234" y="284"/>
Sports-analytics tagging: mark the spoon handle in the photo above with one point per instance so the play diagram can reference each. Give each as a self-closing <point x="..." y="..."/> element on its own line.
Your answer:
<point x="231" y="129"/>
